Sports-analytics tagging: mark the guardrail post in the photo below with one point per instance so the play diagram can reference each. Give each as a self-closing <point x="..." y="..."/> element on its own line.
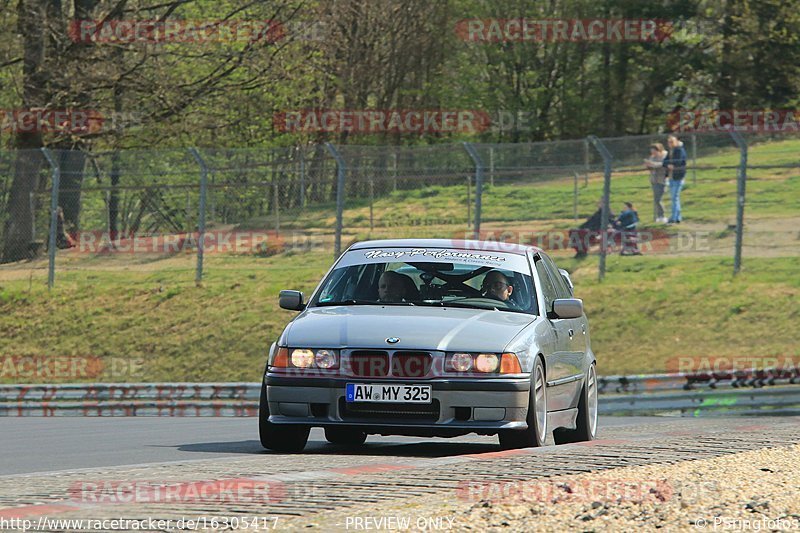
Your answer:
<point x="741" y="181"/>
<point x="607" y="158"/>
<point x="51" y="243"/>
<point x="201" y="223"/>
<point x="479" y="168"/>
<point x="341" y="172"/>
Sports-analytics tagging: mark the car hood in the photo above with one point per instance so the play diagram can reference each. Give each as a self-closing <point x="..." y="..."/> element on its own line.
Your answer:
<point x="428" y="328"/>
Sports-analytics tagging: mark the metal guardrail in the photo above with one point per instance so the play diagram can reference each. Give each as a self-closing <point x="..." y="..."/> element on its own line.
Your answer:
<point x="773" y="393"/>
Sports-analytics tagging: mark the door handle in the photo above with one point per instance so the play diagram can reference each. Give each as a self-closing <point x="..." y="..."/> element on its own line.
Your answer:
<point x="571" y="333"/>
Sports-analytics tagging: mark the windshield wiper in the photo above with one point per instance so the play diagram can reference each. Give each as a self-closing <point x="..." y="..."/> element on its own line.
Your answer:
<point x="457" y="303"/>
<point x="348" y="302"/>
<point x="362" y="302"/>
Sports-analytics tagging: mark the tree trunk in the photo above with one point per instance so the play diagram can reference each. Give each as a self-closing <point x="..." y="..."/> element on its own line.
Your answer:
<point x="18" y="229"/>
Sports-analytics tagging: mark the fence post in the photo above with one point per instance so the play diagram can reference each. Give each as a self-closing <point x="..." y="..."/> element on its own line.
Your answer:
<point x="32" y="207"/>
<point x="302" y="176"/>
<point x="575" y="197"/>
<point x="341" y="171"/>
<point x="201" y="223"/>
<point x="476" y="158"/>
<point x="585" y="162"/>
<point x="607" y="158"/>
<point x="469" y="201"/>
<point x="694" y="159"/>
<point x="371" y="200"/>
<point x="741" y="181"/>
<point x="276" y="184"/>
<point x="491" y="166"/>
<point x="51" y="243"/>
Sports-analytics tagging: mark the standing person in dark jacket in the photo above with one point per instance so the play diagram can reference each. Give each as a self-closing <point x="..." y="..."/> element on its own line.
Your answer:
<point x="676" y="163"/>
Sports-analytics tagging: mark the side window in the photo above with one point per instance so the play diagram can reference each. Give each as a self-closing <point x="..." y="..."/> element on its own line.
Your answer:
<point x="548" y="290"/>
<point x="560" y="284"/>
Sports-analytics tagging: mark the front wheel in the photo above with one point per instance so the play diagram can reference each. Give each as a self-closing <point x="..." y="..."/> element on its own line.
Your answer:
<point x="278" y="437"/>
<point x="536" y="432"/>
<point x="587" y="414"/>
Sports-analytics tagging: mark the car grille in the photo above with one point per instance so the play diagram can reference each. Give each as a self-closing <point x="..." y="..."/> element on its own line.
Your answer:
<point x="411" y="364"/>
<point x="369" y="363"/>
<point x="393" y="411"/>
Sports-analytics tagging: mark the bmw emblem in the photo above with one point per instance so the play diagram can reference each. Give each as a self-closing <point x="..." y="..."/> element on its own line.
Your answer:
<point x="392" y="340"/>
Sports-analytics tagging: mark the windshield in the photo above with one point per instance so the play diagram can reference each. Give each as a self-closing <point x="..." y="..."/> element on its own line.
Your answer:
<point x="391" y="277"/>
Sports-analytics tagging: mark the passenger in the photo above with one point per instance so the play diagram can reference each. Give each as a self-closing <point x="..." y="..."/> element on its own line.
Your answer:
<point x="495" y="285"/>
<point x="391" y="287"/>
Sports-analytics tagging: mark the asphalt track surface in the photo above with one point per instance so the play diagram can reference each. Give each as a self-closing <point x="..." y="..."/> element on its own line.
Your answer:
<point x="41" y="444"/>
<point x="174" y="468"/>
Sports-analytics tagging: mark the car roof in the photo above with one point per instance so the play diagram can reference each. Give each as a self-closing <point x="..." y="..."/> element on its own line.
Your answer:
<point x="455" y="244"/>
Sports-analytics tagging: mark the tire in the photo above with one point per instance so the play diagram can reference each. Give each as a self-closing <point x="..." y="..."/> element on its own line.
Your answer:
<point x="280" y="438"/>
<point x="536" y="432"/>
<point x="586" y="423"/>
<point x="345" y="436"/>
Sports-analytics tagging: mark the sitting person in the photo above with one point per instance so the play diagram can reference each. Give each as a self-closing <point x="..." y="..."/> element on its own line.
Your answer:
<point x="496" y="286"/>
<point x="588" y="232"/>
<point x="625" y="226"/>
<point x="392" y="287"/>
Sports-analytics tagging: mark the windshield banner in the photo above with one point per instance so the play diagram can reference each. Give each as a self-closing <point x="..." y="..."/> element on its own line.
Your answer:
<point x="478" y="258"/>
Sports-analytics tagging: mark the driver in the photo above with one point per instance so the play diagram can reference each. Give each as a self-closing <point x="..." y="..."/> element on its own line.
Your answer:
<point x="391" y="287"/>
<point x="495" y="285"/>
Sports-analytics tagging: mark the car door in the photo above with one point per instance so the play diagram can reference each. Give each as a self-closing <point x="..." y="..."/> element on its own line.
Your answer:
<point x="574" y="357"/>
<point x="556" y="363"/>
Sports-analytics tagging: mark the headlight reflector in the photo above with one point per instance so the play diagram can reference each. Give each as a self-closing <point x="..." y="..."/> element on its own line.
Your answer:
<point x="461" y="362"/>
<point x="486" y="362"/>
<point x="302" y="358"/>
<point x="325" y="359"/>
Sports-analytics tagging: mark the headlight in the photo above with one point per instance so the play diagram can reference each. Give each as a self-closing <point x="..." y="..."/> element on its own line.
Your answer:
<point x="302" y="358"/>
<point x="486" y="362"/>
<point x="461" y="362"/>
<point x="325" y="359"/>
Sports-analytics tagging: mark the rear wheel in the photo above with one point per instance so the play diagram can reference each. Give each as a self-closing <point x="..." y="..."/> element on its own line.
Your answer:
<point x="586" y="423"/>
<point x="280" y="438"/>
<point x="345" y="436"/>
<point x="536" y="432"/>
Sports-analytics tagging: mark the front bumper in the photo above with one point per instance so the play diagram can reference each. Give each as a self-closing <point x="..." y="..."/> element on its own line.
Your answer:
<point x="459" y="406"/>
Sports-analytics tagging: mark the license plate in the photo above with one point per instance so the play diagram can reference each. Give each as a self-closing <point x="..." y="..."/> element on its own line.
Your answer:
<point x="387" y="393"/>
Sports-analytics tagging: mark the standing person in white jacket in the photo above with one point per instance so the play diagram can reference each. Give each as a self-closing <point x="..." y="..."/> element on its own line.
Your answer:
<point x="658" y="179"/>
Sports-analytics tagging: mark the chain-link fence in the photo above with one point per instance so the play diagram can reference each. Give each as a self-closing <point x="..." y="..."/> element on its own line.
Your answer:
<point x="194" y="211"/>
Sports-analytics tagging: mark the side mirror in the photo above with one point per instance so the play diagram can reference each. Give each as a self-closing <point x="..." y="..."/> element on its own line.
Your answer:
<point x="291" y="300"/>
<point x="567" y="308"/>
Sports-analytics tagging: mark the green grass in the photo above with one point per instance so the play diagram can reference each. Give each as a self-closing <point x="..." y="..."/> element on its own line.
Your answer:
<point x="648" y="310"/>
<point x="770" y="193"/>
